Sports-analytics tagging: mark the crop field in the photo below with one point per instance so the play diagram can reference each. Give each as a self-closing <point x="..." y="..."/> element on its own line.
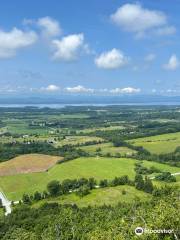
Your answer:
<point x="22" y="127"/>
<point x="97" y="167"/>
<point x="27" y="164"/>
<point x="106" y="148"/>
<point x="98" y="197"/>
<point x="158" y="144"/>
<point x="96" y="132"/>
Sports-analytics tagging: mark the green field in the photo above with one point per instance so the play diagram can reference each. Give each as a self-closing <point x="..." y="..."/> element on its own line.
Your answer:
<point x="22" y="127"/>
<point x="108" y="148"/>
<point x="97" y="167"/>
<point x="74" y="140"/>
<point x="98" y="197"/>
<point x="90" y="130"/>
<point x="158" y="144"/>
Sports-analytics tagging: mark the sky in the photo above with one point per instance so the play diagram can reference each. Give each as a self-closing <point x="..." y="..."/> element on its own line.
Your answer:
<point x="93" y="47"/>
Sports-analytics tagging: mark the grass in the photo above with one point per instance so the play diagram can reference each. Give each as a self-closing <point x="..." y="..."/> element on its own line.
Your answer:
<point x="28" y="163"/>
<point x="20" y="127"/>
<point x="74" y="140"/>
<point x="161" y="166"/>
<point x="99" y="168"/>
<point x="72" y="116"/>
<point x="108" y="148"/>
<point x="98" y="197"/>
<point x="158" y="144"/>
<point x="110" y="128"/>
<point x="1" y="212"/>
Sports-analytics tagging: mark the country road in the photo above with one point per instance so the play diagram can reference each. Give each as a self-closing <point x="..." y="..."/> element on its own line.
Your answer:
<point x="6" y="203"/>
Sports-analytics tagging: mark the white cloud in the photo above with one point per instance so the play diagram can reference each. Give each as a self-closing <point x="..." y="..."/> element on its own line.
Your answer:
<point x="51" y="88"/>
<point x="171" y="91"/>
<point x="68" y="48"/>
<point x="79" y="89"/>
<point x="50" y="27"/>
<point x="150" y="57"/>
<point x="127" y="90"/>
<point x="14" y="40"/>
<point x="134" y="18"/>
<point x="111" y="60"/>
<point x="172" y="64"/>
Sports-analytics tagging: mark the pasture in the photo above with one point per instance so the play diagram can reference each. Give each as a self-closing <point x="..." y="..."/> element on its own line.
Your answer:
<point x="99" y="197"/>
<point x="109" y="128"/>
<point x="28" y="163"/>
<point x="164" y="143"/>
<point x="97" y="167"/>
<point x="105" y="148"/>
<point x="74" y="140"/>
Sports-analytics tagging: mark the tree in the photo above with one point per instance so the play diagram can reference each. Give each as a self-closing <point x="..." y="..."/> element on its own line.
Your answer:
<point x="166" y="176"/>
<point x="83" y="191"/>
<point x="139" y="182"/>
<point x="26" y="199"/>
<point x="148" y="186"/>
<point x="20" y="234"/>
<point x="91" y="183"/>
<point x="53" y="188"/>
<point x="82" y="181"/>
<point x="44" y="194"/>
<point x="103" y="183"/>
<point x="37" y="196"/>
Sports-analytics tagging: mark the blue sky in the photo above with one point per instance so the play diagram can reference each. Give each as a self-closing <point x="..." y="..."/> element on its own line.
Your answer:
<point x="90" y="47"/>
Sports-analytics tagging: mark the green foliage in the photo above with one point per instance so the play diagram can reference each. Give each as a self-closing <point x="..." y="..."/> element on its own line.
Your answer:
<point x="166" y="176"/>
<point x="26" y="199"/>
<point x="139" y="182"/>
<point x="103" y="183"/>
<point x="83" y="191"/>
<point x="54" y="188"/>
<point x="148" y="186"/>
<point x="37" y="196"/>
<point x="65" y="222"/>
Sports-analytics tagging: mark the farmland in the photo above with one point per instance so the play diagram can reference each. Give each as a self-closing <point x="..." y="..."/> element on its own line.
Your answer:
<point x="98" y="142"/>
<point x="27" y="164"/>
<point x="99" y="197"/>
<point x="106" y="148"/>
<point x="96" y="159"/>
<point x="99" y="168"/>
<point x="164" y="143"/>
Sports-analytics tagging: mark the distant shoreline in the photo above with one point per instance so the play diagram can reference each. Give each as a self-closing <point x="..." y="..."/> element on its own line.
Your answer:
<point x="61" y="105"/>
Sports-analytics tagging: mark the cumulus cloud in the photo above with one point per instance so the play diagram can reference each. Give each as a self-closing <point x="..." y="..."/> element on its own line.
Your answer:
<point x="51" y="88"/>
<point x="50" y="27"/>
<point x="79" y="89"/>
<point x="69" y="47"/>
<point x="134" y="18"/>
<point x="150" y="57"/>
<point x="14" y="40"/>
<point x="111" y="60"/>
<point x="172" y="64"/>
<point x="127" y="90"/>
